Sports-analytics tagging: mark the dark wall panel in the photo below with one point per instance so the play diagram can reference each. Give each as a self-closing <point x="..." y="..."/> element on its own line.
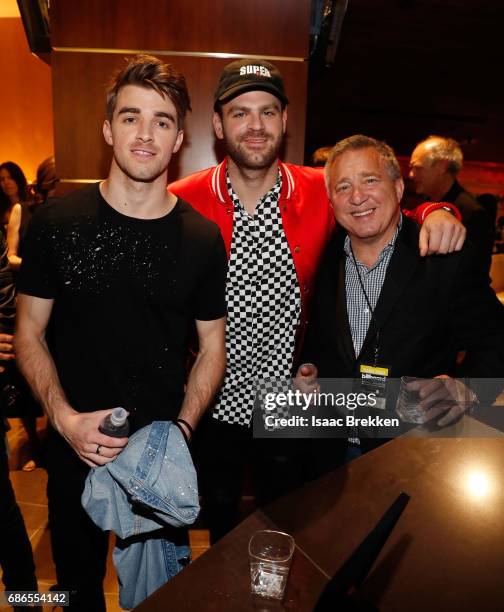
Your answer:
<point x="190" y="35"/>
<point x="264" y="27"/>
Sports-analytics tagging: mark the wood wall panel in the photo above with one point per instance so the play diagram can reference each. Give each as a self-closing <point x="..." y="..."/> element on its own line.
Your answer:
<point x="86" y="35"/>
<point x="79" y="105"/>
<point x="25" y="101"/>
<point x="263" y="27"/>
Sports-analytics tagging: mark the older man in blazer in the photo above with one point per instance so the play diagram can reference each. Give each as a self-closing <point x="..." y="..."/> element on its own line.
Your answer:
<point x="379" y="303"/>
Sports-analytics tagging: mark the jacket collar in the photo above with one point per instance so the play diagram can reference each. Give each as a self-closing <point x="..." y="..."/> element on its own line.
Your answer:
<point x="402" y="267"/>
<point x="219" y="188"/>
<point x="453" y="193"/>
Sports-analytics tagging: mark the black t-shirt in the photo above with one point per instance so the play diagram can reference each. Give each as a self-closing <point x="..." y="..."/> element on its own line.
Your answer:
<point x="126" y="292"/>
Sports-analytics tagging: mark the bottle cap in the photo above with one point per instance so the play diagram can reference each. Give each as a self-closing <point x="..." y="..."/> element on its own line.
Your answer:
<point x="118" y="416"/>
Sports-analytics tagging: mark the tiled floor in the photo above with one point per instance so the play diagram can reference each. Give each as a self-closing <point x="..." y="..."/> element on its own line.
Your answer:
<point x="30" y="493"/>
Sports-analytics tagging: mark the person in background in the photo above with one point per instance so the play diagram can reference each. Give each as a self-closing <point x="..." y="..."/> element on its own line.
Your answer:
<point x="13" y="192"/>
<point x="320" y="156"/>
<point x="16" y="556"/>
<point x="490" y="203"/>
<point x="45" y="183"/>
<point x="16" y="213"/>
<point x="20" y="216"/>
<point x="434" y="166"/>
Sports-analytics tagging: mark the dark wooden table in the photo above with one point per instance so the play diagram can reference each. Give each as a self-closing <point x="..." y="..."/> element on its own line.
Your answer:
<point x="446" y="553"/>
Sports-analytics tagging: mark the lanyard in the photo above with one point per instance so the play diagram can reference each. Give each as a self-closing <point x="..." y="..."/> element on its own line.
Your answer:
<point x="371" y="309"/>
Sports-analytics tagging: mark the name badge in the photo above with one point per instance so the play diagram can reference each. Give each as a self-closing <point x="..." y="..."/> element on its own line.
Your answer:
<point x="373" y="379"/>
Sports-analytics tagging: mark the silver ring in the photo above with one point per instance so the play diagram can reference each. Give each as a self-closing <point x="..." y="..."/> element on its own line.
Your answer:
<point x="98" y="449"/>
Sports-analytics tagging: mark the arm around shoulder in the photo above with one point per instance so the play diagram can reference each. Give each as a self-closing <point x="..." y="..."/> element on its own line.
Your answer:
<point x="441" y="232"/>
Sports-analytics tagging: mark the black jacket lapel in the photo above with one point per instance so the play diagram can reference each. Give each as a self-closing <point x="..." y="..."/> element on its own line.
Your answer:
<point x="345" y="335"/>
<point x="401" y="268"/>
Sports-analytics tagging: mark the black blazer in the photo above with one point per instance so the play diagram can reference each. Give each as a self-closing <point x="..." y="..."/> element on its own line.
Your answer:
<point x="429" y="309"/>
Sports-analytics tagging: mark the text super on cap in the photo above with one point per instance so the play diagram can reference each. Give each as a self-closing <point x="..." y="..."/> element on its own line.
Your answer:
<point x="249" y="75"/>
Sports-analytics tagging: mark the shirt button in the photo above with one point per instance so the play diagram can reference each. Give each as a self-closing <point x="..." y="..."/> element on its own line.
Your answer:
<point x="228" y="211"/>
<point x="297" y="249"/>
<point x="305" y="288"/>
<point x="284" y="208"/>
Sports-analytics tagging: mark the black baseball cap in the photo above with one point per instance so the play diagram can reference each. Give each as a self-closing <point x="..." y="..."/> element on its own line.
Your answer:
<point x="249" y="75"/>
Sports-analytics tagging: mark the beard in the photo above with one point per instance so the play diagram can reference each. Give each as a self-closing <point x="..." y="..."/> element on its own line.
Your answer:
<point x="249" y="159"/>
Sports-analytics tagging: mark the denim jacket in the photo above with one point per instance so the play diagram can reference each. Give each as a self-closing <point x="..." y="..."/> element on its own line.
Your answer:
<point x="150" y="485"/>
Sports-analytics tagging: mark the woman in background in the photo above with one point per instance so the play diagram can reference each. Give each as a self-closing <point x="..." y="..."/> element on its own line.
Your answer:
<point x="15" y="213"/>
<point x="13" y="191"/>
<point x="20" y="215"/>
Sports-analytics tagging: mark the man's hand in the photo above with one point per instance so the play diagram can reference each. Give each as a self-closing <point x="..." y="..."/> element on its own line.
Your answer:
<point x="441" y="233"/>
<point x="306" y="379"/>
<point x="442" y="395"/>
<point x="6" y="349"/>
<point x="80" y="430"/>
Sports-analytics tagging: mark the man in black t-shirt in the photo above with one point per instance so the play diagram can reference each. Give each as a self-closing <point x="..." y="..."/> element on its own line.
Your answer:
<point x="116" y="273"/>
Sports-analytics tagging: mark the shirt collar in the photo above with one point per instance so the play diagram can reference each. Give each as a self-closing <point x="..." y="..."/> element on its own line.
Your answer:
<point x="273" y="194"/>
<point x="385" y="249"/>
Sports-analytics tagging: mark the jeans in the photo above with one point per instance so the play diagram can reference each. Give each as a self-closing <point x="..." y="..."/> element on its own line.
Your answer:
<point x="79" y="547"/>
<point x="152" y="483"/>
<point x="16" y="557"/>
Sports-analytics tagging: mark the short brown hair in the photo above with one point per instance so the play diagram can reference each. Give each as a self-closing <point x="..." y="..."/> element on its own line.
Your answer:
<point x="360" y="141"/>
<point x="149" y="72"/>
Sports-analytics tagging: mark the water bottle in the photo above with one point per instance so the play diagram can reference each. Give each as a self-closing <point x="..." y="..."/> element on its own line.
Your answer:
<point x="115" y="424"/>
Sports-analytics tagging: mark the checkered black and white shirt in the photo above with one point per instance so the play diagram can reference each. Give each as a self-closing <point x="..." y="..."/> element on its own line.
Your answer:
<point x="263" y="302"/>
<point x="359" y="315"/>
